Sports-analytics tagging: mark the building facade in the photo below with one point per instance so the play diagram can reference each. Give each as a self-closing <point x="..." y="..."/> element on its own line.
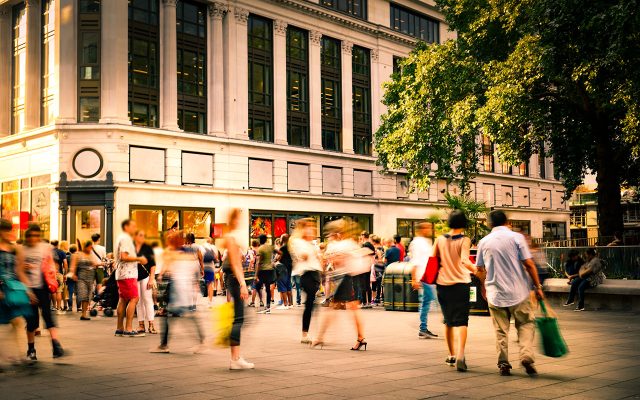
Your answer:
<point x="173" y="112"/>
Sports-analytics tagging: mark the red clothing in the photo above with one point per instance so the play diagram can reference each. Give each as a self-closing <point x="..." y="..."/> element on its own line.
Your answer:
<point x="403" y="252"/>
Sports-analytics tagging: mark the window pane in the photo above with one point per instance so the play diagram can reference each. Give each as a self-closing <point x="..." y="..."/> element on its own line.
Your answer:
<point x="89" y="109"/>
<point x="89" y="6"/>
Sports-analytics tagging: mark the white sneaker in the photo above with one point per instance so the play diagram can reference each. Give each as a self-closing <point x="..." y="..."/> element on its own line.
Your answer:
<point x="265" y="311"/>
<point x="241" y="363"/>
<point x="306" y="339"/>
<point x="282" y="308"/>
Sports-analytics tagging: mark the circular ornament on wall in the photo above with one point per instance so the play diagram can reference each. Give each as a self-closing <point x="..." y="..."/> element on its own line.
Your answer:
<point x="87" y="163"/>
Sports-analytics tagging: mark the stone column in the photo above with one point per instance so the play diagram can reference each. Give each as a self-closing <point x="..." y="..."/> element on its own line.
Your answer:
<point x="215" y="71"/>
<point x="5" y="70"/>
<point x="33" y="95"/>
<point x="169" y="101"/>
<point x="235" y="74"/>
<point x="347" y="102"/>
<point x="114" y="54"/>
<point x="280" y="81"/>
<point x="315" y="90"/>
<point x="67" y="71"/>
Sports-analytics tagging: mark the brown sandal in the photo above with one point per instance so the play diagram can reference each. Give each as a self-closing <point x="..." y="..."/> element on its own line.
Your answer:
<point x="152" y="329"/>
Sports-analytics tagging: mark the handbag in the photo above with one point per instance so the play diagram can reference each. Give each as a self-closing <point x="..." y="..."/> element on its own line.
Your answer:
<point x="15" y="294"/>
<point x="49" y="272"/>
<point x="553" y="344"/>
<point x="143" y="273"/>
<point x="430" y="275"/>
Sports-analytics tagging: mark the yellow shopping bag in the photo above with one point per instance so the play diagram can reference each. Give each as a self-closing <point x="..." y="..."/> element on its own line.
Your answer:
<point x="222" y="317"/>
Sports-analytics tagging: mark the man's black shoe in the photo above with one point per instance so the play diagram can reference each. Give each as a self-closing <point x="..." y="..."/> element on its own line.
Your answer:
<point x="31" y="355"/>
<point x="528" y="366"/>
<point x="58" y="351"/>
<point x="505" y="369"/>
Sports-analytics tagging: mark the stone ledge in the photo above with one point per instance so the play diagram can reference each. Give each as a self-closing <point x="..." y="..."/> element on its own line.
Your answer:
<point x="610" y="286"/>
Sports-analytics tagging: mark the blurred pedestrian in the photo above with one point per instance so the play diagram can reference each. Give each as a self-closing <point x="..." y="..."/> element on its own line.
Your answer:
<point x="284" y="281"/>
<point x="501" y="257"/>
<point x="211" y="261"/>
<point x="347" y="259"/>
<point x="306" y="266"/>
<point x="37" y="259"/>
<point x="237" y="287"/>
<point x="264" y="271"/>
<point x="15" y="297"/>
<point x="379" y="267"/>
<point x="99" y="255"/>
<point x="83" y="272"/>
<point x="62" y="268"/>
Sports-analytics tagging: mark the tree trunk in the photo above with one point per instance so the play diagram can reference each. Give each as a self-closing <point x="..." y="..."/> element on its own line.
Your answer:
<point x="608" y="178"/>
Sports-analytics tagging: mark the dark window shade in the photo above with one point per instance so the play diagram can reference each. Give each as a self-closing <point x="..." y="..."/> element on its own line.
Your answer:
<point x="260" y="48"/>
<point x="297" y="87"/>
<point x="89" y="61"/>
<point x="361" y="71"/>
<point x="331" y="92"/>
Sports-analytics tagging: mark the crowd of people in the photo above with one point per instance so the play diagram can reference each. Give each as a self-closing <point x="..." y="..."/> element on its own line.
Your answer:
<point x="345" y="268"/>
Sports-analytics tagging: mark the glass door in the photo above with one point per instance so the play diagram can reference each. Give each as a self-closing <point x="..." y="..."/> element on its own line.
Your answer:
<point x="85" y="221"/>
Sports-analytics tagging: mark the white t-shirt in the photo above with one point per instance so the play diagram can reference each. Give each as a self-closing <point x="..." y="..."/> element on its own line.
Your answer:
<point x="301" y="249"/>
<point x="124" y="269"/>
<point x="184" y="268"/>
<point x="98" y="253"/>
<point x="420" y="250"/>
<point x="157" y="256"/>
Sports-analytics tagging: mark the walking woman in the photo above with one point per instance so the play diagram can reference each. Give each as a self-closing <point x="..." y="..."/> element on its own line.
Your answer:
<point x="306" y="266"/>
<point x="15" y="298"/>
<point x="83" y="273"/>
<point x="452" y="251"/>
<point x="344" y="254"/>
<point x="236" y="287"/>
<point x="146" y="283"/>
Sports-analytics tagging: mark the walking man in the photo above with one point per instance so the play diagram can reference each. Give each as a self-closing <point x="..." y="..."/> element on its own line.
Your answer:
<point x="507" y="269"/>
<point x="420" y="250"/>
<point x="264" y="270"/>
<point x="127" y="279"/>
<point x="99" y="255"/>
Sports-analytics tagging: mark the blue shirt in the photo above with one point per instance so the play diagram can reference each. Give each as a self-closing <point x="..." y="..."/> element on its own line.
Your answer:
<point x="501" y="253"/>
<point x="392" y="255"/>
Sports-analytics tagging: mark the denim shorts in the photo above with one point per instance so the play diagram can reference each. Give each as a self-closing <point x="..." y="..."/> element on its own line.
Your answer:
<point x="284" y="284"/>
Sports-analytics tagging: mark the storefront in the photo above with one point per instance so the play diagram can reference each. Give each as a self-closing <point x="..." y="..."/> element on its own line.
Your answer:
<point x="276" y="223"/>
<point x="27" y="200"/>
<point x="154" y="220"/>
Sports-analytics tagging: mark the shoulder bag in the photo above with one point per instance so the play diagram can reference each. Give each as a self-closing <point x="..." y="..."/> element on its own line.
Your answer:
<point x="430" y="275"/>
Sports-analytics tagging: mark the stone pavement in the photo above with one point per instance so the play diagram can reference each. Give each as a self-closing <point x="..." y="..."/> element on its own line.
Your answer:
<point x="604" y="362"/>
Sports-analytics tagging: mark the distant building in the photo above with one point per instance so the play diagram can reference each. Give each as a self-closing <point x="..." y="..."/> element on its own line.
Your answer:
<point x="171" y="112"/>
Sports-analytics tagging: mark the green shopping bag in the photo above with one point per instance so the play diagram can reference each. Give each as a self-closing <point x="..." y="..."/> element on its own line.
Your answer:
<point x="553" y="345"/>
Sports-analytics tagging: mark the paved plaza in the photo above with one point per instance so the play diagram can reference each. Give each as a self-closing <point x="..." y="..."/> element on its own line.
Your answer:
<point x="604" y="362"/>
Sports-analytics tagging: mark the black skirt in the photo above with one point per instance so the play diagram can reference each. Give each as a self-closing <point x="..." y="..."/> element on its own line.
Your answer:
<point x="454" y="302"/>
<point x="344" y="291"/>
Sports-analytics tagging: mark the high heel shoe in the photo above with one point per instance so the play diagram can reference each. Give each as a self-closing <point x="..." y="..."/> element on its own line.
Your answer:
<point x="461" y="365"/>
<point x="361" y="343"/>
<point x="316" y="345"/>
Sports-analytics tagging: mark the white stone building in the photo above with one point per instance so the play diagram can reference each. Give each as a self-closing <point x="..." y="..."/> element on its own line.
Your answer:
<point x="174" y="111"/>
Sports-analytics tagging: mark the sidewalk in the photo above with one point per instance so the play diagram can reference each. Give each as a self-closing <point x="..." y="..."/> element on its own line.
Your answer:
<point x="604" y="362"/>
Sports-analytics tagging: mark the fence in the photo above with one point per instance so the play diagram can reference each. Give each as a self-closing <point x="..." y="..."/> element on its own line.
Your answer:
<point x="621" y="262"/>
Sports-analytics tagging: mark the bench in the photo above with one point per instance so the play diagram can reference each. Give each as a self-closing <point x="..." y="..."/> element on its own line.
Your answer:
<point x="613" y="294"/>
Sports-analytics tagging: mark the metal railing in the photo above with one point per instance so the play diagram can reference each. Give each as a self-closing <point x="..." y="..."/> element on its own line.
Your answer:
<point x="621" y="262"/>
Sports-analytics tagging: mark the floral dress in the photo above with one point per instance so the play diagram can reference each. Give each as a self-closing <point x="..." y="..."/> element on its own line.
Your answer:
<point x="15" y="302"/>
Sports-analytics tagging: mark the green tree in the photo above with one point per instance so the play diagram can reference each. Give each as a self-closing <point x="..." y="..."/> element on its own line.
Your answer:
<point x="523" y="72"/>
<point x="474" y="211"/>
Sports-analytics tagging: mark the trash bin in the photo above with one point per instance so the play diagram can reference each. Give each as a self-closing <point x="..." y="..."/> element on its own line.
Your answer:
<point x="398" y="293"/>
<point x="477" y="304"/>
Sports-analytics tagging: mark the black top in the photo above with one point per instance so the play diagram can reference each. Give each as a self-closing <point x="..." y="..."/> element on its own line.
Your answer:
<point x="147" y="252"/>
<point x="59" y="257"/>
<point x="573" y="266"/>
<point x="369" y="246"/>
<point x="285" y="257"/>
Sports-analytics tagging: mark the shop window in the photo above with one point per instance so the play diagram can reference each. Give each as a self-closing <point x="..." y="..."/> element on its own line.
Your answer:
<point x="521" y="226"/>
<point x="27" y="201"/>
<point x="298" y="177"/>
<point x="146" y="164"/>
<point x="362" y="183"/>
<point x="197" y="168"/>
<point x="260" y="174"/>
<point x="331" y="180"/>
<point x="554" y="231"/>
<point x="155" y="221"/>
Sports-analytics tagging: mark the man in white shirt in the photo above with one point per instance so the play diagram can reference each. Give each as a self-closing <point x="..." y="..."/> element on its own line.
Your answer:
<point x="127" y="278"/>
<point x="510" y="271"/>
<point x="420" y="250"/>
<point x="98" y="255"/>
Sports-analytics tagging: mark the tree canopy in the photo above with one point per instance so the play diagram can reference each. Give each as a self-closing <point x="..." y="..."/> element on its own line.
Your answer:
<point x="565" y="73"/>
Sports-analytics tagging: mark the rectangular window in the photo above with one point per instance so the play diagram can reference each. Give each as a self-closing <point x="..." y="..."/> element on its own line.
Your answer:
<point x="18" y="77"/>
<point x="192" y="66"/>
<point x="331" y="180"/>
<point x="47" y="113"/>
<point x="521" y="226"/>
<point x="487" y="154"/>
<point x="197" y="168"/>
<point x="545" y="199"/>
<point x="331" y="75"/>
<point x="144" y="62"/>
<point x="415" y="24"/>
<point x="506" y="169"/>
<point x="155" y="221"/>
<point x="523" y="169"/>
<point x="88" y="60"/>
<point x="297" y="177"/>
<point x="554" y="231"/>
<point x="507" y="196"/>
<point x="297" y="87"/>
<point x="361" y="70"/>
<point x="356" y="8"/>
<point x="260" y="174"/>
<point x="541" y="162"/>
<point x="523" y="199"/>
<point x="260" y="47"/>
<point x="397" y="69"/>
<point x="362" y="183"/>
<point x="147" y="164"/>
<point x="27" y="201"/>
